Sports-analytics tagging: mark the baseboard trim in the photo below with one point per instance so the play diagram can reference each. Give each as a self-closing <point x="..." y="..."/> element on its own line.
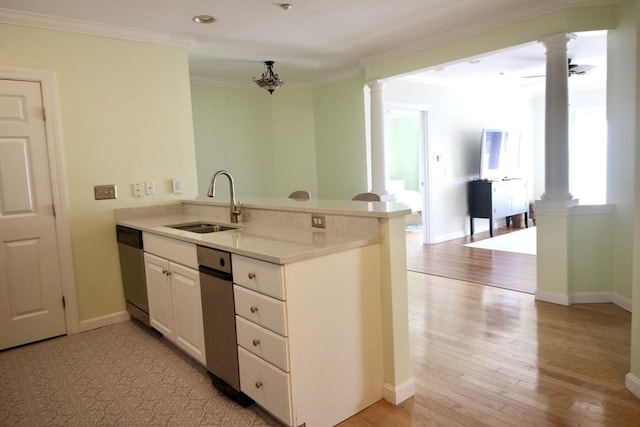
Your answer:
<point x="585" y="298"/>
<point x="398" y="394"/>
<point x="633" y="384"/>
<point x="99" y="322"/>
<point x="622" y="302"/>
<point x="590" y="298"/>
<point x="552" y="298"/>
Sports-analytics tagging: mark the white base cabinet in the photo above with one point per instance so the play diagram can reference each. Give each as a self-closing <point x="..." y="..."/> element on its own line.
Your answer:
<point x="310" y="335"/>
<point x="175" y="304"/>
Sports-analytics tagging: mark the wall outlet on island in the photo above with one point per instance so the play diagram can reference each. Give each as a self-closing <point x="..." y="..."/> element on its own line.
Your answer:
<point x="317" y="221"/>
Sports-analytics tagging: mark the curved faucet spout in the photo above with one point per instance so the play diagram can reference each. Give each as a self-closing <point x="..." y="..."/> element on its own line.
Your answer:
<point x="234" y="205"/>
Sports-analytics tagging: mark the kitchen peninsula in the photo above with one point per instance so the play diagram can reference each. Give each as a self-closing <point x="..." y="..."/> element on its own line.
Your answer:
<point x="341" y="329"/>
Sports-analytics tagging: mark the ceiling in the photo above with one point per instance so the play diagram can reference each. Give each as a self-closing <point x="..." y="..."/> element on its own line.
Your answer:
<point x="313" y="42"/>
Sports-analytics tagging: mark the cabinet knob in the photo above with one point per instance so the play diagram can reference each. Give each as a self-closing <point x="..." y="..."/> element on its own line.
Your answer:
<point x="251" y="276"/>
<point x="254" y="309"/>
<point x="258" y="384"/>
<point x="255" y="342"/>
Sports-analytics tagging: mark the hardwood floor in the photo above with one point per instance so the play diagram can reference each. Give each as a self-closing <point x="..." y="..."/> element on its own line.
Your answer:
<point x="482" y="355"/>
<point x="451" y="259"/>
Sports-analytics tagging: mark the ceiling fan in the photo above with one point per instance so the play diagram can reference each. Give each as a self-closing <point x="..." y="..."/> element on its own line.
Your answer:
<point x="573" y="69"/>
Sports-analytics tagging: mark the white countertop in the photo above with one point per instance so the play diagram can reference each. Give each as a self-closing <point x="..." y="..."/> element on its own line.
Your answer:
<point x="277" y="243"/>
<point x="273" y="244"/>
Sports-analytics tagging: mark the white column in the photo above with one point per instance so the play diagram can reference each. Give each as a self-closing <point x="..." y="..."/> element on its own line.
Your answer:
<point x="557" y="119"/>
<point x="552" y="212"/>
<point x="379" y="173"/>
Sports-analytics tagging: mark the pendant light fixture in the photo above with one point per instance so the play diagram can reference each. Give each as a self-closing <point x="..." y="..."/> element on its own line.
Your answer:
<point x="269" y="80"/>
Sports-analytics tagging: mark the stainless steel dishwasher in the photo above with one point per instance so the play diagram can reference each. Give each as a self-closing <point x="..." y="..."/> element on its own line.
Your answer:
<point x="132" y="269"/>
<point x="218" y="316"/>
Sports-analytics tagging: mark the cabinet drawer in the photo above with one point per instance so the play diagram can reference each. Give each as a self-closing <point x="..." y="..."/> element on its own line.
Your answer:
<point x="265" y="311"/>
<point x="263" y="343"/>
<point x="172" y="249"/>
<point x="261" y="276"/>
<point x="266" y="384"/>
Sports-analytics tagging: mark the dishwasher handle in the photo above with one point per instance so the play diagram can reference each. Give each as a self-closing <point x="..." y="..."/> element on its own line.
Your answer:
<point x="215" y="273"/>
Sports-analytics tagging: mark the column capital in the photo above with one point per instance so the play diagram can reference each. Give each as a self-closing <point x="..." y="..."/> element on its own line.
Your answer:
<point x="557" y="41"/>
<point x="375" y="84"/>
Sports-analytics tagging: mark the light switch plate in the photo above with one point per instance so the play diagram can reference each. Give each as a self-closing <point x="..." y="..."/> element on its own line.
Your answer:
<point x="176" y="185"/>
<point x="104" y="192"/>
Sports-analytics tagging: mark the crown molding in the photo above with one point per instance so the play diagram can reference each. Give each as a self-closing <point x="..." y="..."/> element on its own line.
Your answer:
<point x="533" y="10"/>
<point x="48" y="22"/>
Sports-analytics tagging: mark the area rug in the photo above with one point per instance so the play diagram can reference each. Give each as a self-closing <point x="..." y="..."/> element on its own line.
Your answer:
<point x="521" y="241"/>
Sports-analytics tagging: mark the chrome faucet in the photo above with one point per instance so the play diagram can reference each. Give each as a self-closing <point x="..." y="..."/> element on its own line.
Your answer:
<point x="234" y="205"/>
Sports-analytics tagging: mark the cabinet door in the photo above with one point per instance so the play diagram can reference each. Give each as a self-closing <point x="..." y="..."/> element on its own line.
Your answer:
<point x="159" y="292"/>
<point x="189" y="335"/>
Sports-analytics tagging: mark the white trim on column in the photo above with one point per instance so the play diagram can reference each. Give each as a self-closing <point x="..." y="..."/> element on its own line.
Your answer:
<point x="398" y="394"/>
<point x="552" y="298"/>
<point x="633" y="384"/>
<point x="47" y="80"/>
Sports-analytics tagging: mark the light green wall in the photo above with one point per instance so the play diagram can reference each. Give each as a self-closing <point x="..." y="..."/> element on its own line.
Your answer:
<point x="310" y="139"/>
<point x="621" y="105"/>
<point x="340" y="139"/>
<point x="590" y="236"/>
<point x="265" y="141"/>
<point x="403" y="135"/>
<point x="233" y="131"/>
<point x="126" y="117"/>
<point x="294" y="142"/>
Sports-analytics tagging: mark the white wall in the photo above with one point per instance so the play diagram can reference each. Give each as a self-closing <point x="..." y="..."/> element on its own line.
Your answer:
<point x="456" y="119"/>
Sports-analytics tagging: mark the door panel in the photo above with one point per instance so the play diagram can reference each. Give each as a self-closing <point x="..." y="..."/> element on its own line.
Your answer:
<point x="31" y="305"/>
<point x="185" y="284"/>
<point x="159" y="292"/>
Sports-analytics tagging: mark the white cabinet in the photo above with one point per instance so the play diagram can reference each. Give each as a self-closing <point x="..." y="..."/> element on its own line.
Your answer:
<point x="310" y="335"/>
<point x="175" y="307"/>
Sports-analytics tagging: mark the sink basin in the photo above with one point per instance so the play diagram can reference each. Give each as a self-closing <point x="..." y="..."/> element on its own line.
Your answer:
<point x="200" y="227"/>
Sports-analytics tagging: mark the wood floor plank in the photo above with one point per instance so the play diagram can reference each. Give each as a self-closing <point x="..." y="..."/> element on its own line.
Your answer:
<point x="485" y="355"/>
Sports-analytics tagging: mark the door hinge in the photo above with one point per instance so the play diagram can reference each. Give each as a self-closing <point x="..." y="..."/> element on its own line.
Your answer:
<point x="53" y="208"/>
<point x="44" y="114"/>
<point x="64" y="303"/>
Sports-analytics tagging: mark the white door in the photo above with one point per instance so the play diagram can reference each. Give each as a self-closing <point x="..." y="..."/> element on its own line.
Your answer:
<point x="31" y="304"/>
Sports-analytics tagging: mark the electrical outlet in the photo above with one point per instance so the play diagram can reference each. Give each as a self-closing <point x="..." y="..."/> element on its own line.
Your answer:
<point x="104" y="192"/>
<point x="317" y="221"/>
<point x="138" y="189"/>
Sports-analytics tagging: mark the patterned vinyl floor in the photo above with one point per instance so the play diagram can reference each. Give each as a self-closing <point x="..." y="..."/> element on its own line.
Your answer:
<point x="119" y="375"/>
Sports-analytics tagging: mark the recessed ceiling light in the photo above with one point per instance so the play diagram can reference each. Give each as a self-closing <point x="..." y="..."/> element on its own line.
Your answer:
<point x="285" y="6"/>
<point x="203" y="19"/>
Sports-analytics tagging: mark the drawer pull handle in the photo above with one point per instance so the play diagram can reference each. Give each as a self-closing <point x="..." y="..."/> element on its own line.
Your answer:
<point x="255" y="342"/>
<point x="258" y="384"/>
<point x="251" y="276"/>
<point x="254" y="309"/>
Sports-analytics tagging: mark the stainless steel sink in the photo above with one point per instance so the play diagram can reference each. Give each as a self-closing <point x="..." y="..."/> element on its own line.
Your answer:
<point x="200" y="227"/>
